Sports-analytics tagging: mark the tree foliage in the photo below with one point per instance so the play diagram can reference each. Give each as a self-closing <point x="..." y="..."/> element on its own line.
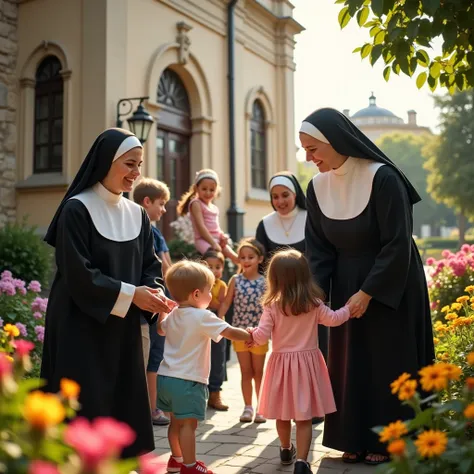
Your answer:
<point x="402" y="34"/>
<point x="408" y="152"/>
<point x="451" y="162"/>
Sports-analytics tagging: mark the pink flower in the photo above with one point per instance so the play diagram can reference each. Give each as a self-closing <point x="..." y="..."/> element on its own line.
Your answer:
<point x="7" y="287"/>
<point x="34" y="286"/>
<point x="39" y="330"/>
<point x="90" y="445"/>
<point x="5" y="366"/>
<point x="18" y="283"/>
<point x="150" y="465"/>
<point x="430" y="261"/>
<point x="1" y="323"/>
<point x="117" y="434"/>
<point x="446" y="253"/>
<point x="42" y="467"/>
<point x="39" y="304"/>
<point x="6" y="275"/>
<point x="37" y="315"/>
<point x="466" y="248"/>
<point x="433" y="304"/>
<point x="22" y="347"/>
<point x="22" y="329"/>
<point x="22" y="291"/>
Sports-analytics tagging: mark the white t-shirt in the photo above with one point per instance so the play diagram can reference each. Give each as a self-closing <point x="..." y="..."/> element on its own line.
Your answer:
<point x="187" y="353"/>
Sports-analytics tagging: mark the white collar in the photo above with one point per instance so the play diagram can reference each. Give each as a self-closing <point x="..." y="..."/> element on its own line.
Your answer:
<point x="277" y="227"/>
<point x="344" y="193"/>
<point x="105" y="194"/>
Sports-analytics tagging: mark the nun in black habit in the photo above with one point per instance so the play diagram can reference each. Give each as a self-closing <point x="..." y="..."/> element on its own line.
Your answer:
<point x="107" y="275"/>
<point x="360" y="247"/>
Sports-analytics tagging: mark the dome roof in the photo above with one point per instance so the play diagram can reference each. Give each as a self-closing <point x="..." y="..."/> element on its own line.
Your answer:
<point x="373" y="110"/>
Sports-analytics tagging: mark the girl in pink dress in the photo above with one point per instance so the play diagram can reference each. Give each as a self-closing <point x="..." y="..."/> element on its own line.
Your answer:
<point x="296" y="383"/>
<point x="197" y="201"/>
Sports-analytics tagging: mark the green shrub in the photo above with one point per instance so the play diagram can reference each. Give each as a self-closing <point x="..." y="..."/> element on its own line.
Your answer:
<point x="23" y="252"/>
<point x="440" y="243"/>
<point x="180" y="249"/>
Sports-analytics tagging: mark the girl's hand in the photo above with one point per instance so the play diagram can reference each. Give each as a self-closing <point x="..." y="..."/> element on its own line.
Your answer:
<point x="224" y="240"/>
<point x="152" y="300"/>
<point x="250" y="342"/>
<point x="358" y="304"/>
<point x="215" y="246"/>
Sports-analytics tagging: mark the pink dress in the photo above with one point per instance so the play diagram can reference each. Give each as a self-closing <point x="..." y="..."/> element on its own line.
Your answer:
<point x="296" y="384"/>
<point x="210" y="215"/>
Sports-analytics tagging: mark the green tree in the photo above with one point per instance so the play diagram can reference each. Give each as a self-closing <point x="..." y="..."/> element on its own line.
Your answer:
<point x="408" y="152"/>
<point x="305" y="173"/>
<point x="451" y="162"/>
<point x="402" y="32"/>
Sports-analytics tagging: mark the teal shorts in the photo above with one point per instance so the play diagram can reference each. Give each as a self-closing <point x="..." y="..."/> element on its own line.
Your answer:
<point x="182" y="398"/>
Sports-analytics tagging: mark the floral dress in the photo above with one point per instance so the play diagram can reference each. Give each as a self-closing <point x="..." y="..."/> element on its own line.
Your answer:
<point x="247" y="307"/>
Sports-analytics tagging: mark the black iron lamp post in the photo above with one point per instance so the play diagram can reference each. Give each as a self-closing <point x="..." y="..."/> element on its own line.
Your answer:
<point x="140" y="122"/>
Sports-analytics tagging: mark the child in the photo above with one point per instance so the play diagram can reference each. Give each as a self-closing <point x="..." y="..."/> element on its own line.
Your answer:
<point x="215" y="261"/>
<point x="183" y="374"/>
<point x="296" y="385"/>
<point x="246" y="290"/>
<point x="205" y="215"/>
<point x="153" y="196"/>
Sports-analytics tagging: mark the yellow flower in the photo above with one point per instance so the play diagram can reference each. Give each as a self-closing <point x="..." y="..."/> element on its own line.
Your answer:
<point x="433" y="377"/>
<point x="469" y="411"/>
<point x="69" y="388"/>
<point x="435" y="340"/>
<point x="393" y="431"/>
<point x="472" y="299"/>
<point x="431" y="443"/>
<point x="471" y="305"/>
<point x="456" y="306"/>
<point x="470" y="358"/>
<point x="469" y="288"/>
<point x="445" y="356"/>
<point x="451" y="317"/>
<point x="42" y="410"/>
<point x="445" y="309"/>
<point x="397" y="447"/>
<point x="407" y="390"/>
<point x="438" y="323"/>
<point x="11" y="330"/>
<point x="9" y="358"/>
<point x="441" y="328"/>
<point x="463" y="299"/>
<point x="399" y="382"/>
<point x="453" y="372"/>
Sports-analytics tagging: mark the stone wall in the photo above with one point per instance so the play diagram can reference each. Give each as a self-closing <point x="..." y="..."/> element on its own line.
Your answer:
<point x="8" y="108"/>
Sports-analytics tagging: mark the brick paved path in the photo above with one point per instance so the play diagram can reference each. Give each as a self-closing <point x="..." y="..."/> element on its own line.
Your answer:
<point x="231" y="447"/>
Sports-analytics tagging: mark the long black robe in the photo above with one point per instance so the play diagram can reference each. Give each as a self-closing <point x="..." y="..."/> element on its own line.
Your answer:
<point x="83" y="341"/>
<point x="375" y="252"/>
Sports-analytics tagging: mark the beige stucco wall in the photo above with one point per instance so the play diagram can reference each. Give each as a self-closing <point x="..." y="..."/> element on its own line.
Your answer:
<point x="118" y="48"/>
<point x="374" y="132"/>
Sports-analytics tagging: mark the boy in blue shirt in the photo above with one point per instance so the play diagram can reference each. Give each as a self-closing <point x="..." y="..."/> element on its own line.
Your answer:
<point x="153" y="195"/>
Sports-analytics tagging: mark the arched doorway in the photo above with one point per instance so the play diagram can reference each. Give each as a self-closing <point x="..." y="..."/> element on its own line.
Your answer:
<point x="172" y="142"/>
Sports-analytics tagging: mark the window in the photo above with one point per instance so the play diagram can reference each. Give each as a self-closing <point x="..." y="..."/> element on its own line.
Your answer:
<point x="48" y="133"/>
<point x="258" y="147"/>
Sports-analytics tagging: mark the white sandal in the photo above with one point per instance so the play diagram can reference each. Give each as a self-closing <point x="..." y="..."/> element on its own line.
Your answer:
<point x="247" y="415"/>
<point x="259" y="418"/>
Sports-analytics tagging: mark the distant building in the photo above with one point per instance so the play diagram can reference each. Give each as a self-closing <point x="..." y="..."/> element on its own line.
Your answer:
<point x="375" y="121"/>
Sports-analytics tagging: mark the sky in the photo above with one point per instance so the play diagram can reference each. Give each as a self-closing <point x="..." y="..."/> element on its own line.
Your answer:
<point x="328" y="74"/>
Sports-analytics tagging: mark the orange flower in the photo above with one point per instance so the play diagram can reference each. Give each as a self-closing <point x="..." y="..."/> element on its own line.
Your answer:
<point x="393" y="431"/>
<point x="462" y="299"/>
<point x="11" y="330"/>
<point x="397" y="447"/>
<point x="469" y="411"/>
<point x="433" y="377"/>
<point x="399" y="382"/>
<point x="470" y="358"/>
<point x="469" y="288"/>
<point x="431" y="443"/>
<point x="69" y="388"/>
<point x="42" y="410"/>
<point x="470" y="383"/>
<point x="407" y="390"/>
<point x="435" y="340"/>
<point x="451" y="317"/>
<point x="453" y="372"/>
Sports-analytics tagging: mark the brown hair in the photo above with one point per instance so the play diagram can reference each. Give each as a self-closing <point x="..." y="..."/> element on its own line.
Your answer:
<point x="253" y="244"/>
<point x="183" y="204"/>
<point x="290" y="284"/>
<point x="185" y="276"/>
<point x="150" y="188"/>
<point x="214" y="254"/>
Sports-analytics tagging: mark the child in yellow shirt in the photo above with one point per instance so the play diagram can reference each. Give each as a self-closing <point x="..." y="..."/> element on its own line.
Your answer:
<point x="215" y="260"/>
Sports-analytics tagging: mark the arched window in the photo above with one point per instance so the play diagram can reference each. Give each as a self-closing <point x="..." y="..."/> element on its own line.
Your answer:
<point x="258" y="147"/>
<point x="49" y="91"/>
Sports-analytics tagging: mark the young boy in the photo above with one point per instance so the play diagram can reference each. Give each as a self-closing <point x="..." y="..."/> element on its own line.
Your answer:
<point x="153" y="196"/>
<point x="215" y="261"/>
<point x="183" y="375"/>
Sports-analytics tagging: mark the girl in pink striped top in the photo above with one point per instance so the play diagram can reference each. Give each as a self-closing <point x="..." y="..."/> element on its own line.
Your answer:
<point x="205" y="215"/>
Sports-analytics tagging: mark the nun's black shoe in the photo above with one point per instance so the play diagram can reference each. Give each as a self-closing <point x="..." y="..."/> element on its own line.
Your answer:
<point x="302" y="467"/>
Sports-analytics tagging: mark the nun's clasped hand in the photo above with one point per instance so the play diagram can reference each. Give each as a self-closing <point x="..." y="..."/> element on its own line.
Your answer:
<point x="359" y="301"/>
<point x="152" y="300"/>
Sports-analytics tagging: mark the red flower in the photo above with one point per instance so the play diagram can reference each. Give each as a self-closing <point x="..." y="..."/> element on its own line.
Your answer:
<point x="5" y="366"/>
<point x="116" y="434"/>
<point x="42" y="467"/>
<point x="149" y="464"/>
<point x="23" y="348"/>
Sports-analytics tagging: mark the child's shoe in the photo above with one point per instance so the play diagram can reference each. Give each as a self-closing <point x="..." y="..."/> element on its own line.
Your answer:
<point x="247" y="415"/>
<point x="301" y="467"/>
<point x="215" y="401"/>
<point x="198" y="468"/>
<point x="259" y="418"/>
<point x="287" y="455"/>
<point x="158" y="418"/>
<point x="173" y="465"/>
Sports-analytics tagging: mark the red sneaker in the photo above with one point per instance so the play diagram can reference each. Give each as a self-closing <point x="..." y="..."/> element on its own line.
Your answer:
<point x="173" y="465"/>
<point x="198" y="468"/>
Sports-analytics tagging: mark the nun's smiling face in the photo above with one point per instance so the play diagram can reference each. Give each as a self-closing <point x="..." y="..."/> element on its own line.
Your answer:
<point x="283" y="200"/>
<point x="321" y="154"/>
<point x="124" y="171"/>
